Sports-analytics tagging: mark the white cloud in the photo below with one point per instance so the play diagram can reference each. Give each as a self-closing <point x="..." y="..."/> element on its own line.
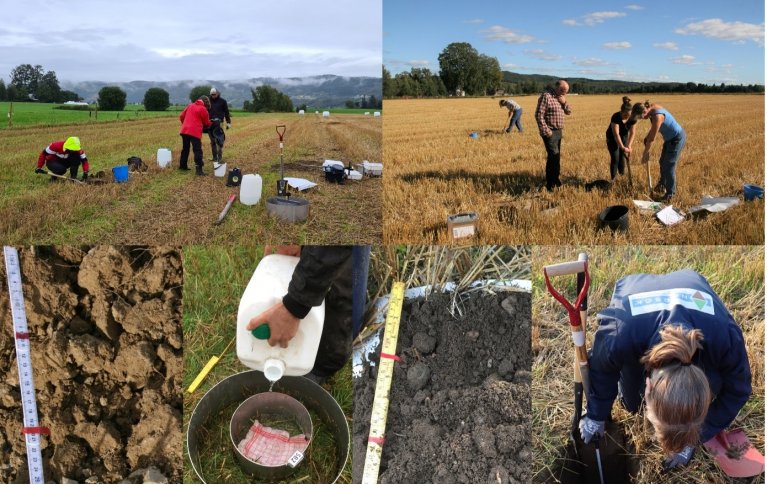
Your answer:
<point x="474" y="21"/>
<point x="666" y="45"/>
<point x="591" y="61"/>
<point x="496" y="32"/>
<point x="719" y="29"/>
<point x="683" y="59"/>
<point x="178" y="53"/>
<point x="663" y="77"/>
<point x="599" y="17"/>
<point x="541" y="54"/>
<point x="617" y="45"/>
<point x="510" y="66"/>
<point x="634" y="7"/>
<point x="418" y="63"/>
<point x="570" y="21"/>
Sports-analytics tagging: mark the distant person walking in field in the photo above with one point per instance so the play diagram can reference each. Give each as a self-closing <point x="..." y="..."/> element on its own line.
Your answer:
<point x="668" y="341"/>
<point x="218" y="112"/>
<point x="674" y="138"/>
<point x="61" y="156"/>
<point x="515" y="114"/>
<point x="620" y="136"/>
<point x="550" y="116"/>
<point x="193" y="119"/>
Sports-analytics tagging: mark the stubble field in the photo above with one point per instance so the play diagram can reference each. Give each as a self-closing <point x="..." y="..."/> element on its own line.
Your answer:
<point x="169" y="206"/>
<point x="434" y="169"/>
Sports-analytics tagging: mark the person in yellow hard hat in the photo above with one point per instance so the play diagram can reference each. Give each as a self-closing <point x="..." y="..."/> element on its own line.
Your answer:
<point x="61" y="156"/>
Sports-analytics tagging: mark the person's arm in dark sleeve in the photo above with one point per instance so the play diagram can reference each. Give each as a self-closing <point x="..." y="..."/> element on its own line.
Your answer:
<point x="604" y="369"/>
<point x="312" y="277"/>
<point x="736" y="386"/>
<point x="226" y="113"/>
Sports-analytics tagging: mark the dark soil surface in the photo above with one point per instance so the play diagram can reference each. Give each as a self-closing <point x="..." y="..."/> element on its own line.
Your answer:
<point x="460" y="400"/>
<point x="105" y="332"/>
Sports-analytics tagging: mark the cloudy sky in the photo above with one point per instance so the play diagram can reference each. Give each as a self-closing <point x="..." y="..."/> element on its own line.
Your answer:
<point x="709" y="41"/>
<point x="194" y="39"/>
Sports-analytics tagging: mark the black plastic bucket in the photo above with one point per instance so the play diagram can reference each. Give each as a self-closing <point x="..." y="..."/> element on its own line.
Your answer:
<point x="616" y="217"/>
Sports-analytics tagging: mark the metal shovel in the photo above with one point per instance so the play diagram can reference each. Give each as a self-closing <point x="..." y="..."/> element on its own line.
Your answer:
<point x="735" y="455"/>
<point x="64" y="177"/>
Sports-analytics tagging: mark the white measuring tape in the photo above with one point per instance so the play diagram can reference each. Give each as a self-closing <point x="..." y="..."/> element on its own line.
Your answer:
<point x="380" y="409"/>
<point x="31" y="430"/>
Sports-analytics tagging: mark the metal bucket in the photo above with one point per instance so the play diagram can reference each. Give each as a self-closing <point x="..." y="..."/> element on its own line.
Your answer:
<point x="616" y="217"/>
<point x="292" y="210"/>
<point x="267" y="403"/>
<point x="239" y="387"/>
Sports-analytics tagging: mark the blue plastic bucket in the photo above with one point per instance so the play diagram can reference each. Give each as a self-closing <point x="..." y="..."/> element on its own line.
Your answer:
<point x="120" y="173"/>
<point x="750" y="192"/>
<point x="474" y="135"/>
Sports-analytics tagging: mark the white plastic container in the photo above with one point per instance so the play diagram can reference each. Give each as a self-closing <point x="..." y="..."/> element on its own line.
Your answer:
<point x="354" y="175"/>
<point x="336" y="163"/>
<point x="301" y="111"/>
<point x="370" y="169"/>
<point x="376" y="114"/>
<point x="219" y="169"/>
<point x="325" y="114"/>
<point x="266" y="288"/>
<point x="250" y="189"/>
<point x="163" y="157"/>
<point x="367" y="113"/>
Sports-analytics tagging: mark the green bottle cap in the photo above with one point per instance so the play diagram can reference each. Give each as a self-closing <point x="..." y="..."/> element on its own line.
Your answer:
<point x="262" y="332"/>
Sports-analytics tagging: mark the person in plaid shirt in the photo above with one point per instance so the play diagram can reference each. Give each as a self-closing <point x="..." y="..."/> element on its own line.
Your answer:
<point x="550" y="116"/>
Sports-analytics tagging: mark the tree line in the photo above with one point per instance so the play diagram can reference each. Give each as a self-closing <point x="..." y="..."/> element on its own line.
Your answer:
<point x="33" y="83"/>
<point x="465" y="71"/>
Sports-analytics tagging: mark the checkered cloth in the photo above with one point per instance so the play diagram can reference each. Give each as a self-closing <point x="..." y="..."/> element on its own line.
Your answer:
<point x="271" y="447"/>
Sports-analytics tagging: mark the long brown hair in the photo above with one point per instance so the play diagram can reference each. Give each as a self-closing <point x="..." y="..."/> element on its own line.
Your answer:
<point x="679" y="393"/>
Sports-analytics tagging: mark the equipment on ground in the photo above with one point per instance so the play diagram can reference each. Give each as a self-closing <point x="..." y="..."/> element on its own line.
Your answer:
<point x="223" y="213"/>
<point x="283" y="207"/>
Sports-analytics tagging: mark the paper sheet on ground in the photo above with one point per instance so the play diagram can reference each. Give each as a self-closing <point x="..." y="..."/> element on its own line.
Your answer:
<point x="715" y="204"/>
<point x="669" y="216"/>
<point x="300" y="184"/>
<point x="649" y="206"/>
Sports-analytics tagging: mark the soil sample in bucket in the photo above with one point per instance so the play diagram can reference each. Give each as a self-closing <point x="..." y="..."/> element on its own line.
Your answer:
<point x="105" y="333"/>
<point x="460" y="398"/>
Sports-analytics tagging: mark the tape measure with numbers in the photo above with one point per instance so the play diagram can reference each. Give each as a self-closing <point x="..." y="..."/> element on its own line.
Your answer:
<point x="32" y="429"/>
<point x="380" y="408"/>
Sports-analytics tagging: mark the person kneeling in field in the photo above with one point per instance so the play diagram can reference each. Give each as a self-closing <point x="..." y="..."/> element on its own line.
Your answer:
<point x="61" y="156"/>
<point x="674" y="138"/>
<point x="515" y="114"/>
<point x="669" y="341"/>
<point x="620" y="136"/>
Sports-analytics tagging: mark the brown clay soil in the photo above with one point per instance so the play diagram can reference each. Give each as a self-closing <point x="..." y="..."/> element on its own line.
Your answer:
<point x="460" y="398"/>
<point x="105" y="332"/>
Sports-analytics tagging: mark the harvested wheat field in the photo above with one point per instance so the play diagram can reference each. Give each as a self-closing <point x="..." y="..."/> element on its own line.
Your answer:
<point x="170" y="206"/>
<point x="435" y="169"/>
<point x="630" y="453"/>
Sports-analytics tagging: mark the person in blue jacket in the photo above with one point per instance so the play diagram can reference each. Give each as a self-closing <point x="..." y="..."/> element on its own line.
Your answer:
<point x="674" y="138"/>
<point x="668" y="341"/>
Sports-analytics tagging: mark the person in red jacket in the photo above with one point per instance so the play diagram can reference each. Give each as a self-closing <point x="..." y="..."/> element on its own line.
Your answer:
<point x="193" y="119"/>
<point x="61" y="156"/>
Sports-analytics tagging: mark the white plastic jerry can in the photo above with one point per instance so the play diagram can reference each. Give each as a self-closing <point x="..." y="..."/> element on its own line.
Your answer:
<point x="163" y="157"/>
<point x="250" y="189"/>
<point x="266" y="288"/>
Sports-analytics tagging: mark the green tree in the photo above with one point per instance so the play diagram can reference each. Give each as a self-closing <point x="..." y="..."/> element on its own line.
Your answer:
<point x="26" y="77"/>
<point x="198" y="91"/>
<point x="387" y="85"/>
<point x="48" y="90"/>
<point x="3" y="93"/>
<point x="267" y="99"/>
<point x="111" y="98"/>
<point x="459" y="65"/>
<point x="350" y="104"/>
<point x="70" y="96"/>
<point x="156" y="99"/>
<point x="490" y="75"/>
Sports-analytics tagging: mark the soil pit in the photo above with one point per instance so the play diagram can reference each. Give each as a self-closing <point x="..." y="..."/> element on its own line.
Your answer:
<point x="105" y="332"/>
<point x="460" y="398"/>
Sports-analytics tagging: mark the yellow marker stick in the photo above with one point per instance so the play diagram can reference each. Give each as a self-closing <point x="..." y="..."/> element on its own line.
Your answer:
<point x="211" y="363"/>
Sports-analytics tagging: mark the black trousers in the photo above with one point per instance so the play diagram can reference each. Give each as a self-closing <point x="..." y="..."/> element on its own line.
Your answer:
<point x="336" y="341"/>
<point x="553" y="144"/>
<point x="60" y="167"/>
<point x="617" y="160"/>
<point x="187" y="140"/>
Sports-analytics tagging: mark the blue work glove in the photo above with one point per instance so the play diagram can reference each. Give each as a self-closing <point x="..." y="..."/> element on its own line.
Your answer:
<point x="589" y="428"/>
<point x="41" y="171"/>
<point x="679" y="459"/>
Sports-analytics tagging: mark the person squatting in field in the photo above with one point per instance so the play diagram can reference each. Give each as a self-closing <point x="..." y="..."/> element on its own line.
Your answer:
<point x="550" y="116"/>
<point x="620" y="136"/>
<point x="668" y="341"/>
<point x="193" y="119"/>
<point x="61" y="156"/>
<point x="515" y="114"/>
<point x="323" y="273"/>
<point x="674" y="138"/>
<point x="219" y="110"/>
